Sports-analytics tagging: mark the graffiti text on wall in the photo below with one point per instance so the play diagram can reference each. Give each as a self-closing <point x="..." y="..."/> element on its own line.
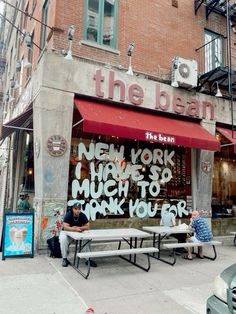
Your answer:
<point x="110" y="176"/>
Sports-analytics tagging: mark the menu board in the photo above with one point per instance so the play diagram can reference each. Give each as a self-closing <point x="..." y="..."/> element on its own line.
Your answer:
<point x="18" y="235"/>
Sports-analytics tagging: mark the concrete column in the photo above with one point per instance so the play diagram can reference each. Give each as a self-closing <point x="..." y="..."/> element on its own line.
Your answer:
<point x="52" y="115"/>
<point x="202" y="169"/>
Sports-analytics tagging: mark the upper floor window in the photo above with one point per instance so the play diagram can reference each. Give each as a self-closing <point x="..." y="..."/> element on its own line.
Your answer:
<point x="30" y="57"/>
<point x="44" y="20"/>
<point x="100" y="22"/>
<point x="25" y="22"/>
<point x="213" y="50"/>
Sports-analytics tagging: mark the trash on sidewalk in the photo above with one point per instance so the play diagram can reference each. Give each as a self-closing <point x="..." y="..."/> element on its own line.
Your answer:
<point x="89" y="311"/>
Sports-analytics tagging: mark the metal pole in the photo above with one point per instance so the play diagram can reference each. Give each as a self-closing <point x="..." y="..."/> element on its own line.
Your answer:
<point x="229" y="65"/>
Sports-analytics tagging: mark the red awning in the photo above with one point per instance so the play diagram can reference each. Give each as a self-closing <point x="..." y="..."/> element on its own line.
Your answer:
<point x="231" y="136"/>
<point x="24" y="121"/>
<point x="127" y="123"/>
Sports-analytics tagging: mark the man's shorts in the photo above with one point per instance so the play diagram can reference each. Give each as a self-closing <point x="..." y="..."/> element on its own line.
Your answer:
<point x="194" y="239"/>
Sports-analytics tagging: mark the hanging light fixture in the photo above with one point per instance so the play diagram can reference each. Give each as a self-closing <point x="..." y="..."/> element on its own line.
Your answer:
<point x="129" y="53"/>
<point x="218" y="92"/>
<point x="11" y="99"/>
<point x="28" y="39"/>
<point x="6" y="98"/>
<point x="70" y="36"/>
<point x="26" y="63"/>
<point x="12" y="83"/>
<point x="18" y="65"/>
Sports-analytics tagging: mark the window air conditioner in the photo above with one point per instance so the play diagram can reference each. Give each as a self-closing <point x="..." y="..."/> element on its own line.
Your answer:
<point x="184" y="73"/>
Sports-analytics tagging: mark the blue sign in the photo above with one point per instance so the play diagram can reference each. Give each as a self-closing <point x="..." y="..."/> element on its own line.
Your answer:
<point x="18" y="235"/>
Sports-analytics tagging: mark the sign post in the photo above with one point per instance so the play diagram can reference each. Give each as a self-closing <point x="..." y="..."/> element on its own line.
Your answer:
<point x="18" y="235"/>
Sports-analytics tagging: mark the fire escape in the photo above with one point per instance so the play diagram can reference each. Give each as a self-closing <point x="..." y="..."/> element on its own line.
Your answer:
<point x="220" y="69"/>
<point x="217" y="63"/>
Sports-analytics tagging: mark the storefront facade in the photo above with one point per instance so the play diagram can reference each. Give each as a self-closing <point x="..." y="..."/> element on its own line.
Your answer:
<point x="127" y="168"/>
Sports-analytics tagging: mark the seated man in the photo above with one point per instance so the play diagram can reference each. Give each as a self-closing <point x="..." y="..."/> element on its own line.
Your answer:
<point x="202" y="233"/>
<point x="76" y="221"/>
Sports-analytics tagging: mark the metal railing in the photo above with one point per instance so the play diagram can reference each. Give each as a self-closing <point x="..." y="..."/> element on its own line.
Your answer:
<point x="212" y="54"/>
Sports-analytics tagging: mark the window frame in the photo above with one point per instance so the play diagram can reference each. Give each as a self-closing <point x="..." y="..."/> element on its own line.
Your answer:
<point x="99" y="40"/>
<point x="44" y="19"/>
<point x="212" y="63"/>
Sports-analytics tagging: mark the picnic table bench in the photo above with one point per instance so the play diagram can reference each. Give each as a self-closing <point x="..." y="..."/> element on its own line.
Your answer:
<point x="120" y="253"/>
<point x="174" y="246"/>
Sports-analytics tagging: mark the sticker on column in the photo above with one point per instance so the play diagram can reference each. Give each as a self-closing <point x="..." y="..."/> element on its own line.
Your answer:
<point x="56" y="145"/>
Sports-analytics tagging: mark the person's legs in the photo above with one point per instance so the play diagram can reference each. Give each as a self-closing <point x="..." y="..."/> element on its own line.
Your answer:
<point x="200" y="252"/>
<point x="64" y="243"/>
<point x="181" y="237"/>
<point x="189" y="249"/>
<point x="188" y="240"/>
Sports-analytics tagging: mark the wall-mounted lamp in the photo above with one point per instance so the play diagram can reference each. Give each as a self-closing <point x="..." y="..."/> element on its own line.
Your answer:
<point x="6" y="98"/>
<point x="28" y="40"/>
<point x="218" y="92"/>
<point x="12" y="83"/>
<point x="18" y="65"/>
<point x="26" y="63"/>
<point x="129" y="53"/>
<point x="11" y="99"/>
<point x="70" y="36"/>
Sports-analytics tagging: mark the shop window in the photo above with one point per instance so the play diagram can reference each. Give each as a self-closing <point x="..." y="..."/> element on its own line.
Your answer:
<point x="27" y="169"/>
<point x="100" y="22"/>
<point x="223" y="185"/>
<point x="122" y="179"/>
<point x="213" y="50"/>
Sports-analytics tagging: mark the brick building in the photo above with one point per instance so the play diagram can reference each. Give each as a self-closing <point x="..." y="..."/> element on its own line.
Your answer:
<point x="78" y="126"/>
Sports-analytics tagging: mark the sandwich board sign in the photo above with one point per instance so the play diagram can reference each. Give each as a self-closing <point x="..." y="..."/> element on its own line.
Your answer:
<point x="18" y="235"/>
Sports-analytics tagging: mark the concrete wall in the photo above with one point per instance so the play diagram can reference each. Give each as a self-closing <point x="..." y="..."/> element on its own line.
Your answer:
<point x="223" y="226"/>
<point x="52" y="115"/>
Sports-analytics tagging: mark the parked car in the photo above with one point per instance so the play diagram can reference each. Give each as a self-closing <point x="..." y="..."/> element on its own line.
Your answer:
<point x="223" y="300"/>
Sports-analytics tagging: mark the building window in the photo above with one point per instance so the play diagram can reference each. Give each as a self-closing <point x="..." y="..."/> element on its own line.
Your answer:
<point x="100" y="22"/>
<point x="30" y="56"/>
<point x="25" y="21"/>
<point x="34" y="3"/>
<point x="27" y="169"/>
<point x="44" y="20"/>
<point x="213" y="50"/>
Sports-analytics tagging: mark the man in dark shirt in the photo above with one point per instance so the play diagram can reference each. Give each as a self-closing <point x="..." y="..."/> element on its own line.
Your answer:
<point x="76" y="221"/>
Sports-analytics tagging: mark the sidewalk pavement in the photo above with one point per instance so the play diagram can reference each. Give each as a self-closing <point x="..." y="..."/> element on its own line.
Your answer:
<point x="42" y="285"/>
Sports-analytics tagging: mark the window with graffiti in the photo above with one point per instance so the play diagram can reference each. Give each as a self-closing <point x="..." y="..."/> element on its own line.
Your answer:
<point x="129" y="179"/>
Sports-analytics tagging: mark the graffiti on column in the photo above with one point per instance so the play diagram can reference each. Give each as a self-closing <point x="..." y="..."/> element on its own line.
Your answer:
<point x="51" y="220"/>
